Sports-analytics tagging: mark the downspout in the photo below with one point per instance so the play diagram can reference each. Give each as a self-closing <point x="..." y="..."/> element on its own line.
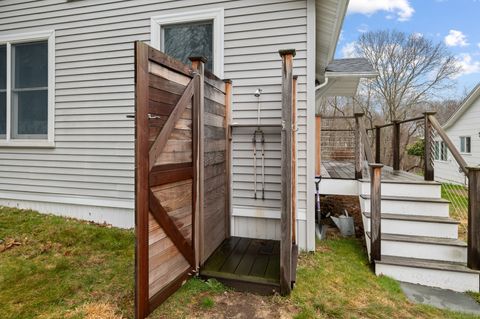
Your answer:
<point x="318" y="87"/>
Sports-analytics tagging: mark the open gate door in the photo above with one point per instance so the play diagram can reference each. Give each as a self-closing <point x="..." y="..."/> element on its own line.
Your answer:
<point x="166" y="180"/>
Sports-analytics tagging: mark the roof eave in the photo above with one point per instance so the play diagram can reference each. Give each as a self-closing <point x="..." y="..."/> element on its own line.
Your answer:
<point x="469" y="100"/>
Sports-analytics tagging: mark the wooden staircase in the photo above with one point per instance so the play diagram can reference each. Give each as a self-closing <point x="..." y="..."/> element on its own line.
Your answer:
<point x="419" y="241"/>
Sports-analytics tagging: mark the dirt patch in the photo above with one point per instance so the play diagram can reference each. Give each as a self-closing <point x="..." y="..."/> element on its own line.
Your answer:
<point x="8" y="243"/>
<point x="336" y="206"/>
<point x="95" y="310"/>
<point x="238" y="305"/>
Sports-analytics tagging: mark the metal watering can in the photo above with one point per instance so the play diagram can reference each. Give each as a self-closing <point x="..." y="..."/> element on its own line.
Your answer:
<point x="345" y="224"/>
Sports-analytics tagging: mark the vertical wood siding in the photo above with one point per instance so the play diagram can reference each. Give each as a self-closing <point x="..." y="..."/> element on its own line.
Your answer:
<point x="93" y="159"/>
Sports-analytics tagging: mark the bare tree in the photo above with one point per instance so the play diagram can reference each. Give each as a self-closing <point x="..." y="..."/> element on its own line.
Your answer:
<point x="412" y="70"/>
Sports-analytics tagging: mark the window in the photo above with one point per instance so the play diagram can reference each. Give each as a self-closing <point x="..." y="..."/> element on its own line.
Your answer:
<point x="465" y="144"/>
<point x="198" y="33"/>
<point x="182" y="41"/>
<point x="440" y="151"/>
<point x="26" y="89"/>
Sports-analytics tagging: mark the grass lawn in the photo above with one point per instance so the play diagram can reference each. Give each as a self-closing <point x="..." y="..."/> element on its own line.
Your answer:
<point x="60" y="268"/>
<point x="458" y="197"/>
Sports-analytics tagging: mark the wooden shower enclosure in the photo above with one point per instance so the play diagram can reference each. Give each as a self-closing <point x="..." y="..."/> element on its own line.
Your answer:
<point x="182" y="175"/>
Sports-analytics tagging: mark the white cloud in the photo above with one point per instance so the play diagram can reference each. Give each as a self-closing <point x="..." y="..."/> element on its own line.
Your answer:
<point x="467" y="65"/>
<point x="456" y="38"/>
<point x="363" y="28"/>
<point x="349" y="50"/>
<point x="478" y="44"/>
<point x="417" y="35"/>
<point x="401" y="8"/>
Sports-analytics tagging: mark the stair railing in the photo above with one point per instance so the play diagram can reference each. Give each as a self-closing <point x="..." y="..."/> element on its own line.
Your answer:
<point x="473" y="174"/>
<point x="363" y="148"/>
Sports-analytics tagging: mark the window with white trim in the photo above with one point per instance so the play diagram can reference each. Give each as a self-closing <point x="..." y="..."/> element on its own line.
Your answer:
<point x="26" y="89"/>
<point x="440" y="153"/>
<point x="465" y="144"/>
<point x="186" y="34"/>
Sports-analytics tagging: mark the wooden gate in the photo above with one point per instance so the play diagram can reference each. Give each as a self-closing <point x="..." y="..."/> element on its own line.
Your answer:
<point x="166" y="176"/>
<point x="181" y="186"/>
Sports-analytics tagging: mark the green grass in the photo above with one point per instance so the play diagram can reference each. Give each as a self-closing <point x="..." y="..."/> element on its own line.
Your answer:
<point x="458" y="197"/>
<point x="69" y="269"/>
<point x="63" y="267"/>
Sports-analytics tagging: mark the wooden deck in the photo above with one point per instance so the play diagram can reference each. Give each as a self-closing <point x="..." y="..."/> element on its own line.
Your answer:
<point x="346" y="170"/>
<point x="246" y="264"/>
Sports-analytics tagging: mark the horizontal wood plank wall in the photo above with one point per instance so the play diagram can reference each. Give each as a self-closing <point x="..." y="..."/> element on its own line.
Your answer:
<point x="93" y="161"/>
<point x="216" y="188"/>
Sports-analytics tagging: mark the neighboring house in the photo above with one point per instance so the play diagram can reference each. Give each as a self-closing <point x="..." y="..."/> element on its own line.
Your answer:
<point x="463" y="128"/>
<point x="67" y="87"/>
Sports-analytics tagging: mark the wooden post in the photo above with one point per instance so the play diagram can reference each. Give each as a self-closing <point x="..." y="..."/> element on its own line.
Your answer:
<point x="228" y="155"/>
<point x="198" y="108"/>
<point x="318" y="145"/>
<point x="375" y="212"/>
<point x="473" y="256"/>
<point x="396" y="145"/>
<point x="286" y="193"/>
<point x="378" y="144"/>
<point x="141" y="180"/>
<point x="294" y="160"/>
<point x="429" y="173"/>
<point x="358" y="146"/>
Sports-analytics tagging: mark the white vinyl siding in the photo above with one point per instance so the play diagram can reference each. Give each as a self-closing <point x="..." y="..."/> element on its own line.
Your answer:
<point x="93" y="158"/>
<point x="465" y="126"/>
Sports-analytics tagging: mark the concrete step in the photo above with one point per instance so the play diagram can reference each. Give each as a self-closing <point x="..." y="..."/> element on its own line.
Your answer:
<point x="420" y="189"/>
<point x="424" y="206"/>
<point x="433" y="248"/>
<point x="415" y="225"/>
<point x="433" y="273"/>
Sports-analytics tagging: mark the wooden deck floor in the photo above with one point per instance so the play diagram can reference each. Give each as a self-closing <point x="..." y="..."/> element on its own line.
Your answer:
<point x="346" y="170"/>
<point x="246" y="264"/>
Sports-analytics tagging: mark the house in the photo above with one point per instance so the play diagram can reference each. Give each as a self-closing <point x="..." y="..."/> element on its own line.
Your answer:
<point x="67" y="98"/>
<point x="464" y="130"/>
<point x="71" y="152"/>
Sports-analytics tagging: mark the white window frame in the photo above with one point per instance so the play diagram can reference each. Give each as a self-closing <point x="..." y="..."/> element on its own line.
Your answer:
<point x="214" y="15"/>
<point x="25" y="38"/>
<point x="464" y="152"/>
<point x="438" y="151"/>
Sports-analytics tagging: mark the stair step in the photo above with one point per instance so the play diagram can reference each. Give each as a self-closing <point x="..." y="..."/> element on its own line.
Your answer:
<point x="426" y="206"/>
<point x="415" y="189"/>
<point x="426" y="263"/>
<point x="417" y="218"/>
<point x="442" y="274"/>
<point x="411" y="199"/>
<point x="424" y="247"/>
<point x="423" y="240"/>
<point x="415" y="225"/>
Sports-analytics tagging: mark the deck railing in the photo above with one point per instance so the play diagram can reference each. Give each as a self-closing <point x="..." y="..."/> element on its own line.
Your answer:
<point x="432" y="130"/>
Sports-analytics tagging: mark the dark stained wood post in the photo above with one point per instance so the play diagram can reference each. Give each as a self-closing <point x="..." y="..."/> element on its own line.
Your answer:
<point x="378" y="144"/>
<point x="358" y="146"/>
<point x="228" y="154"/>
<point x="429" y="173"/>
<point x="375" y="212"/>
<point x="141" y="180"/>
<point x="396" y="145"/>
<point x="294" y="160"/>
<point x="198" y="108"/>
<point x="473" y="257"/>
<point x="286" y="193"/>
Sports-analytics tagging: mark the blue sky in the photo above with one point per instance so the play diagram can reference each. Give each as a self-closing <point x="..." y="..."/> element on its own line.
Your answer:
<point x="453" y="22"/>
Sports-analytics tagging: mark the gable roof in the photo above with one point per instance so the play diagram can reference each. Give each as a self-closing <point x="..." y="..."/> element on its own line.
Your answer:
<point x="469" y="100"/>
